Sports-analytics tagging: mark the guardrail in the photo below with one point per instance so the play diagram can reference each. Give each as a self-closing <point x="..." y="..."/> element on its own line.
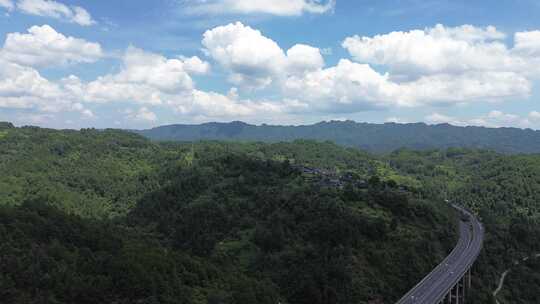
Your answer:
<point x="447" y="282"/>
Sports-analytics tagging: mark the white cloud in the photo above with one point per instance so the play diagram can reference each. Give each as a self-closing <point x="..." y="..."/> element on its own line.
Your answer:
<point x="527" y="48"/>
<point x="57" y="10"/>
<point x="493" y="119"/>
<point x="79" y="107"/>
<point x="24" y="88"/>
<point x="251" y="58"/>
<point x="346" y="87"/>
<point x="448" y="50"/>
<point x="535" y="115"/>
<point x="154" y="70"/>
<point x="144" y="77"/>
<point x="440" y="118"/>
<point x="195" y="65"/>
<point x="435" y="50"/>
<point x="44" y="46"/>
<point x="151" y="79"/>
<point x="254" y="60"/>
<point x="7" y="4"/>
<point x="395" y="119"/>
<point x="302" y="58"/>
<point x="82" y="16"/>
<point x="465" y="88"/>
<point x="215" y="105"/>
<point x="352" y="86"/>
<point x="272" y="7"/>
<point x="143" y="114"/>
<point x="527" y="43"/>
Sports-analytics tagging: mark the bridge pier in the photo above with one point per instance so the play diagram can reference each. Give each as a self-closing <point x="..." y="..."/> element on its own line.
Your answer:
<point x="457" y="293"/>
<point x="453" y="295"/>
<point x="450" y="282"/>
<point x="469" y="278"/>
<point x="463" y="288"/>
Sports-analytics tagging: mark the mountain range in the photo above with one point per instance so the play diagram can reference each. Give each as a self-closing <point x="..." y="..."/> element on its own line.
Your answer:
<point x="377" y="138"/>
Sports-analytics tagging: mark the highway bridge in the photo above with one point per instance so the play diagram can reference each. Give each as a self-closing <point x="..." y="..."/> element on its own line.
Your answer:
<point x="448" y="282"/>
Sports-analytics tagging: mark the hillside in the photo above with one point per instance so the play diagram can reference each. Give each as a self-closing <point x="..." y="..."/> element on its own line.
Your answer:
<point x="505" y="193"/>
<point x="378" y="138"/>
<point x="110" y="217"/>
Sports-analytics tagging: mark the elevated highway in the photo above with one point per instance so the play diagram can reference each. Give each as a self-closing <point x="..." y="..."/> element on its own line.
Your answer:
<point x="447" y="283"/>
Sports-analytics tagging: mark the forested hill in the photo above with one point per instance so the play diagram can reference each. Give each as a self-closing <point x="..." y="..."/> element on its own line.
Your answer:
<point x="108" y="216"/>
<point x="378" y="138"/>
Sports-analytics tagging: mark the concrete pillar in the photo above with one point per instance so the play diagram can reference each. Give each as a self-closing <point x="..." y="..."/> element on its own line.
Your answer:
<point x="463" y="280"/>
<point x="457" y="293"/>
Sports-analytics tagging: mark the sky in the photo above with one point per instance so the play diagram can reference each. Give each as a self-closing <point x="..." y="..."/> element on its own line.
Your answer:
<point x="141" y="64"/>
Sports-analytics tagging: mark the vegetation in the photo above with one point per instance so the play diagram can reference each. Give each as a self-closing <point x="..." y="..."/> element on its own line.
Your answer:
<point x="371" y="137"/>
<point x="108" y="216"/>
<point x="503" y="190"/>
<point x="519" y="281"/>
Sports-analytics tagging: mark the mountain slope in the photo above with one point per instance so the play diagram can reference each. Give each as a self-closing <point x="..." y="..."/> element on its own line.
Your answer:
<point x="109" y="217"/>
<point x="379" y="138"/>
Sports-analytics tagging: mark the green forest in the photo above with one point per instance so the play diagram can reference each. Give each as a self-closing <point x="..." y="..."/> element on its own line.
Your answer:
<point x="108" y="216"/>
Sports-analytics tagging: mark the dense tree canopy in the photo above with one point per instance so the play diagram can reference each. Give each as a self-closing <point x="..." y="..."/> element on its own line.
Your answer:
<point x="107" y="216"/>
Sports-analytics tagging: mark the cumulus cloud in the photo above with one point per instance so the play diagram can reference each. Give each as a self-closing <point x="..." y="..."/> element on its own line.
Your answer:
<point x="143" y="114"/>
<point x="302" y="58"/>
<point x="438" y="118"/>
<point x="7" y="4"/>
<point x="448" y="50"/>
<point x="493" y="119"/>
<point x="438" y="65"/>
<point x="24" y="88"/>
<point x="57" y="10"/>
<point x="345" y="87"/>
<point x="535" y="115"/>
<point x="44" y="46"/>
<point x="351" y="86"/>
<point x="216" y="105"/>
<point x="151" y="79"/>
<point x="527" y="43"/>
<point x="79" y="107"/>
<point x="251" y="57"/>
<point x="144" y="77"/>
<point x="272" y="7"/>
<point x="307" y="86"/>
<point x="195" y="65"/>
<point x="255" y="60"/>
<point x="394" y="119"/>
<point x="434" y="50"/>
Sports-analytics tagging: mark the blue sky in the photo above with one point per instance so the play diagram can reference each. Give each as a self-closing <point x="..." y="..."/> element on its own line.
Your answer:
<point x="138" y="64"/>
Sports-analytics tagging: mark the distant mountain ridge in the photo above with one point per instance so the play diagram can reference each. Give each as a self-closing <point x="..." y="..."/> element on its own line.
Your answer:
<point x="378" y="138"/>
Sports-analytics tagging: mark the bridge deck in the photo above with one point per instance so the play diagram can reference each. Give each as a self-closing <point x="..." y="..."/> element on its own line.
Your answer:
<point x="434" y="286"/>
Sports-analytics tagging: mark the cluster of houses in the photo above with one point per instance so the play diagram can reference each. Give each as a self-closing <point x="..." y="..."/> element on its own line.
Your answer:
<point x="331" y="178"/>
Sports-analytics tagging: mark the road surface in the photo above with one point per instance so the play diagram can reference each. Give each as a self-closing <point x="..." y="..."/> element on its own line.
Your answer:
<point x="434" y="287"/>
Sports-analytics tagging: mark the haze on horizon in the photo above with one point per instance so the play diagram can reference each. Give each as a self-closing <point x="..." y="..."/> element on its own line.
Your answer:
<point x="73" y="64"/>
